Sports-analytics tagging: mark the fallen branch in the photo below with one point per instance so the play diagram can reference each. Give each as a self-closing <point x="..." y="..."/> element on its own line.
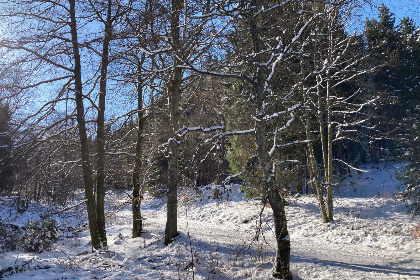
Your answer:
<point x="68" y="208"/>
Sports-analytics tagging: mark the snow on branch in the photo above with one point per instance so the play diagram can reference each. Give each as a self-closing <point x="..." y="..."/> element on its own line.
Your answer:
<point x="121" y="153"/>
<point x="289" y="46"/>
<point x="231" y="133"/>
<point x="293" y="143"/>
<point x="287" y="161"/>
<point x="213" y="73"/>
<point x="263" y="10"/>
<point x="185" y="130"/>
<point x="268" y="117"/>
<point x="230" y="177"/>
<point x="341" y="125"/>
<point x="361" y="106"/>
<point x="351" y="166"/>
<point x="289" y="122"/>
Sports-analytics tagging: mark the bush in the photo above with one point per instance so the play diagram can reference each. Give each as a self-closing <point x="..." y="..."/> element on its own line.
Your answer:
<point x="9" y="237"/>
<point x="40" y="236"/>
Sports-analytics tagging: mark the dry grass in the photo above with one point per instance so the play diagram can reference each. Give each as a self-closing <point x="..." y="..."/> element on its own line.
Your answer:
<point x="415" y="231"/>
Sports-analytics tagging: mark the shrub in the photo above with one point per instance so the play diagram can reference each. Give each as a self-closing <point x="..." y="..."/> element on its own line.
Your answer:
<point x="40" y="236"/>
<point x="9" y="237"/>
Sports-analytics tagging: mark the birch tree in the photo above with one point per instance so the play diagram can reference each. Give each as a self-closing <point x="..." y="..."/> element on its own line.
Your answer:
<point x="329" y="89"/>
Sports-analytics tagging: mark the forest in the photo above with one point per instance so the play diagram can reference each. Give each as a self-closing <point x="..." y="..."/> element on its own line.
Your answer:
<point x="150" y="99"/>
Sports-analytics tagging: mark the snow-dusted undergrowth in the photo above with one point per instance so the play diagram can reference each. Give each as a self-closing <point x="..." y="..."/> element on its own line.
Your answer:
<point x="369" y="239"/>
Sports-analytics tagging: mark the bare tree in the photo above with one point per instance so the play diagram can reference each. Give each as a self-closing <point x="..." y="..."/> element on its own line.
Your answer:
<point x="63" y="47"/>
<point x="84" y="144"/>
<point x="331" y="92"/>
<point x="193" y="29"/>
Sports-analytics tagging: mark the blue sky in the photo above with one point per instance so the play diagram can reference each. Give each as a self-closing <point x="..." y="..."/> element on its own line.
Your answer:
<point x="403" y="8"/>
<point x="399" y="8"/>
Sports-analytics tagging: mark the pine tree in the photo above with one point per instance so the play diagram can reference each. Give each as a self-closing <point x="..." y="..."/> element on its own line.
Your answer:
<point x="409" y="83"/>
<point x="383" y="47"/>
<point x="408" y="73"/>
<point x="410" y="175"/>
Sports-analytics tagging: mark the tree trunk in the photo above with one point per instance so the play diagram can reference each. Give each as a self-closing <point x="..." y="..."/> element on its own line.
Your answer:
<point x="137" y="218"/>
<point x="100" y="136"/>
<point x="171" y="229"/>
<point x="326" y="143"/>
<point x="313" y="171"/>
<point x="322" y="130"/>
<point x="340" y="156"/>
<point x="281" y="267"/>
<point x="174" y="93"/>
<point x="329" y="171"/>
<point x="299" y="179"/>
<point x="84" y="143"/>
<point x="221" y="160"/>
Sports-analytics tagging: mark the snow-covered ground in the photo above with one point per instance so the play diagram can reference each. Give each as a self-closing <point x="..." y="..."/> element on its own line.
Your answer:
<point x="369" y="239"/>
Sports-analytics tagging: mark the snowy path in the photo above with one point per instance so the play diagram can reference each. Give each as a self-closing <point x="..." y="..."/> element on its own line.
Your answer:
<point x="314" y="262"/>
<point x="358" y="245"/>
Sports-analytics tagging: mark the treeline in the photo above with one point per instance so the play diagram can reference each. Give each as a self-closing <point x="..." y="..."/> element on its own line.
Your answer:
<point x="156" y="95"/>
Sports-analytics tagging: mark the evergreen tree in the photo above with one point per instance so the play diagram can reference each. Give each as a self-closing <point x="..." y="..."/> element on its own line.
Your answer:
<point x="383" y="47"/>
<point x="395" y="52"/>
<point x="411" y="172"/>
<point x="409" y="83"/>
<point x="408" y="74"/>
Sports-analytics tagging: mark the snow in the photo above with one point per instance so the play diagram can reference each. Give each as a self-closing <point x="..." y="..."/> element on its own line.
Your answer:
<point x="227" y="239"/>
